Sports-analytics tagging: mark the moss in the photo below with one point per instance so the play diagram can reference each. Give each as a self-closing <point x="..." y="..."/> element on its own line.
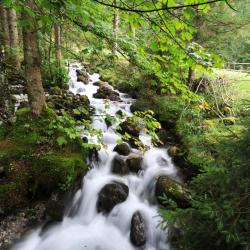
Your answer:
<point x="56" y="170"/>
<point x="35" y="165"/>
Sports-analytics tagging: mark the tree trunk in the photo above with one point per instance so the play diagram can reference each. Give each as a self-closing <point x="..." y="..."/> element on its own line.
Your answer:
<point x="14" y="40"/>
<point x="4" y="31"/>
<point x="191" y="76"/>
<point x="132" y="31"/>
<point x="116" y="29"/>
<point x="32" y="62"/>
<point x="58" y="45"/>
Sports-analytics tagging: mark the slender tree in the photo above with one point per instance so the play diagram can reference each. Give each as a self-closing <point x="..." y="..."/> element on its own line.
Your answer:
<point x="32" y="62"/>
<point x="4" y="31"/>
<point x="58" y="41"/>
<point x="13" y="38"/>
<point x="116" y="28"/>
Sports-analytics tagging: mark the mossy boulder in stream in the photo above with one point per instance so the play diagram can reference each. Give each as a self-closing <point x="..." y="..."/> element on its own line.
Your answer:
<point x="174" y="192"/>
<point x="122" y="149"/>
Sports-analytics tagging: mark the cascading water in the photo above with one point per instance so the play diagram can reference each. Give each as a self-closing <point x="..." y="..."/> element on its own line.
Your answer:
<point x="83" y="227"/>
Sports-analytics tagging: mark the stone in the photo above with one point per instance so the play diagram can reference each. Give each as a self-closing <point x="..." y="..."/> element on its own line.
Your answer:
<point x="111" y="195"/>
<point x="137" y="230"/>
<point x="122" y="149"/>
<point x="83" y="79"/>
<point x="128" y="127"/>
<point x="55" y="208"/>
<point x="107" y="93"/>
<point x="120" y="113"/>
<point x="134" y="164"/>
<point x="173" y="190"/>
<point x="119" y="166"/>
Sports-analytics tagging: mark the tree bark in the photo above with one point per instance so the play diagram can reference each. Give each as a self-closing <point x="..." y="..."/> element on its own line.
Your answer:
<point x="191" y="76"/>
<point x="14" y="39"/>
<point x="116" y="29"/>
<point x="4" y="31"/>
<point x="58" y="43"/>
<point x="32" y="62"/>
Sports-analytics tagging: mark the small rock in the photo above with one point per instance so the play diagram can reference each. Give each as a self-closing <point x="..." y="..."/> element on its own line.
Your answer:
<point x="120" y="113"/>
<point x="137" y="230"/>
<point x="122" y="149"/>
<point x="111" y="195"/>
<point x="134" y="164"/>
<point x="119" y="166"/>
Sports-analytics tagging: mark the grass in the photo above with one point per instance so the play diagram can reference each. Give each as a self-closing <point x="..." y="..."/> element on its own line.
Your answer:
<point x="240" y="81"/>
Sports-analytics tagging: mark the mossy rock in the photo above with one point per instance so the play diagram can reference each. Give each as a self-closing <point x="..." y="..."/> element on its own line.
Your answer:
<point x="174" y="192"/>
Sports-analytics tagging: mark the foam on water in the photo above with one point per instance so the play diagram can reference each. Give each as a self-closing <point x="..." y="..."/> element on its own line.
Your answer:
<point x="88" y="229"/>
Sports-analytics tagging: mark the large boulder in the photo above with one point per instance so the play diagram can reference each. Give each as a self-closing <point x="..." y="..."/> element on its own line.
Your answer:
<point x="173" y="190"/>
<point x="122" y="149"/>
<point x="134" y="164"/>
<point x="119" y="166"/>
<point x="111" y="195"/>
<point x="107" y="93"/>
<point x="137" y="230"/>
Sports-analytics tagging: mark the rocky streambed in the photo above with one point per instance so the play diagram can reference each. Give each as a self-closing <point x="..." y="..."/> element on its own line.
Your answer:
<point x="119" y="196"/>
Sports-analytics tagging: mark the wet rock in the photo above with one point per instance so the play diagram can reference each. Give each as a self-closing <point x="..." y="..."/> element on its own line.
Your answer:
<point x="111" y="195"/>
<point x="122" y="149"/>
<point x="120" y="113"/>
<point x="119" y="166"/>
<point x="173" y="190"/>
<point x="83" y="79"/>
<point x="107" y="93"/>
<point x="55" y="208"/>
<point x="129" y="127"/>
<point x="82" y="76"/>
<point x="102" y="84"/>
<point x="163" y="136"/>
<point x="137" y="230"/>
<point x="134" y="164"/>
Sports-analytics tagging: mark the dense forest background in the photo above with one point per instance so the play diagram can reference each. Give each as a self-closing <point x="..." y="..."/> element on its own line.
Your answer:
<point x="187" y="61"/>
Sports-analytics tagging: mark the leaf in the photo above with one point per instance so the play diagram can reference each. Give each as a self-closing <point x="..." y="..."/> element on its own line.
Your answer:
<point x="61" y="140"/>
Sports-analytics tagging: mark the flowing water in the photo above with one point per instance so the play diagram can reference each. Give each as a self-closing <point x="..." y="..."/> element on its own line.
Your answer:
<point x="83" y="227"/>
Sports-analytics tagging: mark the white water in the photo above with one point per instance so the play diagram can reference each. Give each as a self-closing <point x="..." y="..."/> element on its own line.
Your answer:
<point x="87" y="229"/>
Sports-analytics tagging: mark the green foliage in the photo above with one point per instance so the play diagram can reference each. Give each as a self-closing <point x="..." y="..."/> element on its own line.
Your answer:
<point x="54" y="75"/>
<point x="67" y="129"/>
<point x="218" y="218"/>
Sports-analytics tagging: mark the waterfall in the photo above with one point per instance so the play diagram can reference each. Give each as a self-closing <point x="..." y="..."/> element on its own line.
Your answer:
<point x="83" y="227"/>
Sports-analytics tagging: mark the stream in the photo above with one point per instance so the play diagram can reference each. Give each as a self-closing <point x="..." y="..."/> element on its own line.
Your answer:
<point x="83" y="227"/>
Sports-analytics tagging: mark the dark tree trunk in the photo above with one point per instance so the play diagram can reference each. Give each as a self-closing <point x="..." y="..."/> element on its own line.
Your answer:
<point x="32" y="62"/>
<point x="5" y="41"/>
